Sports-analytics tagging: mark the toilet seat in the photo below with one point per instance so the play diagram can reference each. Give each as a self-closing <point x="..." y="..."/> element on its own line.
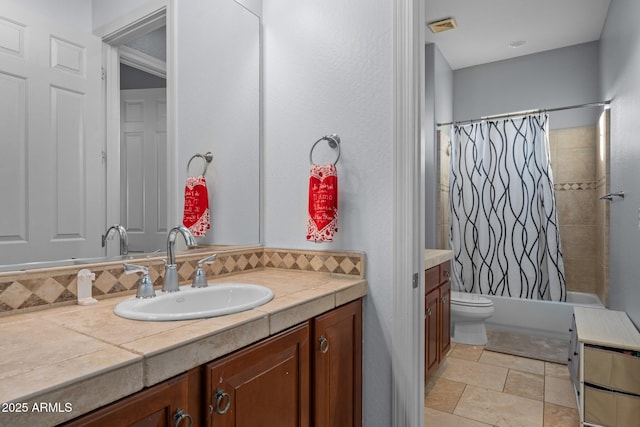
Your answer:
<point x="469" y="300"/>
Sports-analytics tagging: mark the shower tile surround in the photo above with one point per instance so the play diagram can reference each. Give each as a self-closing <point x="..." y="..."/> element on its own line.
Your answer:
<point x="39" y="289"/>
<point x="579" y="160"/>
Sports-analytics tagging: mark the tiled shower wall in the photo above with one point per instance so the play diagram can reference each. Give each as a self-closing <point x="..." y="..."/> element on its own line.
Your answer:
<point x="444" y="163"/>
<point x="573" y="161"/>
<point x="579" y="159"/>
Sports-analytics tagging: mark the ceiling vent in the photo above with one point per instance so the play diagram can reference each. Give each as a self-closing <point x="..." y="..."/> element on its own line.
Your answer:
<point x="442" y="25"/>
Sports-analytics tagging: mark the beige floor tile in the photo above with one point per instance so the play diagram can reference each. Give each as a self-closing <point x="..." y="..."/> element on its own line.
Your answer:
<point x="525" y="384"/>
<point x="559" y="391"/>
<point x="560" y="416"/>
<point x="556" y="370"/>
<point x="435" y="418"/>
<point x="467" y="352"/>
<point x="499" y="409"/>
<point x="474" y="373"/>
<point x="513" y="362"/>
<point x="442" y="394"/>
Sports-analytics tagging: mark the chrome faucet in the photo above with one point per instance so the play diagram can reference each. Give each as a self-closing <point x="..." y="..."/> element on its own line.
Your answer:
<point x="124" y="240"/>
<point x="170" y="283"/>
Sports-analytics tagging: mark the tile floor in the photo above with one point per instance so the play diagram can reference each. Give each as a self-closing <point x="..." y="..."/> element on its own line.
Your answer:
<point x="475" y="387"/>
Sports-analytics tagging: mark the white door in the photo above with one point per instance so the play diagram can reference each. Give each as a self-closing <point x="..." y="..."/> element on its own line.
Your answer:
<point x="51" y="170"/>
<point x="143" y="147"/>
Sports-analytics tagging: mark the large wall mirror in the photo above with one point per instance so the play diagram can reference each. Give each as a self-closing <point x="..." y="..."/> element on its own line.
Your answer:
<point x="66" y="176"/>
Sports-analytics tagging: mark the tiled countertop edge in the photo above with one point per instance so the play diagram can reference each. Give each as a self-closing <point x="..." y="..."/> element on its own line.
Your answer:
<point x="145" y="369"/>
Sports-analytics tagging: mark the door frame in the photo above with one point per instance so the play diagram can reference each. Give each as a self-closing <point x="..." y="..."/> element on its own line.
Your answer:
<point x="407" y="355"/>
<point x="152" y="16"/>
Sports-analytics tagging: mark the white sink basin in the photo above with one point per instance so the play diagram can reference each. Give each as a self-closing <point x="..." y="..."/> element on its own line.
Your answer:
<point x="217" y="299"/>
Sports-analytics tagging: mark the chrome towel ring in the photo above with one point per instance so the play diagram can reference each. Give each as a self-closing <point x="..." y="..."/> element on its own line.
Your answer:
<point x="334" y="142"/>
<point x="206" y="157"/>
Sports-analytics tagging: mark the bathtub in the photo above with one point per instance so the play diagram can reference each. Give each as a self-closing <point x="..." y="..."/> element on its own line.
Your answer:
<point x="534" y="317"/>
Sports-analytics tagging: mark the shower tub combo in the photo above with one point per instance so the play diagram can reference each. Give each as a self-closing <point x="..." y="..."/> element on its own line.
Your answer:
<point x="536" y="317"/>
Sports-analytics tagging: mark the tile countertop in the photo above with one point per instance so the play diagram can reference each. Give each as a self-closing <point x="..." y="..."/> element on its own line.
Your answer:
<point x="83" y="357"/>
<point x="433" y="257"/>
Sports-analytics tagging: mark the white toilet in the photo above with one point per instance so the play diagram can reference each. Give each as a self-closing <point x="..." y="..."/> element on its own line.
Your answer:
<point x="468" y="314"/>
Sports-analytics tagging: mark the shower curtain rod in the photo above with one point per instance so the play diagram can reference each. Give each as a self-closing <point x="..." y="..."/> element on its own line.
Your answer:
<point x="520" y="113"/>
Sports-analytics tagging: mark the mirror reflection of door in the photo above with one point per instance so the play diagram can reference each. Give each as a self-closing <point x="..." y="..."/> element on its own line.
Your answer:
<point x="143" y="144"/>
<point x="51" y="161"/>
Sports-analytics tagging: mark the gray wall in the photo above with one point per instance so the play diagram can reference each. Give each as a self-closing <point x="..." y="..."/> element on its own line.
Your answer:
<point x="554" y="78"/>
<point x="328" y="67"/>
<point x="620" y="81"/>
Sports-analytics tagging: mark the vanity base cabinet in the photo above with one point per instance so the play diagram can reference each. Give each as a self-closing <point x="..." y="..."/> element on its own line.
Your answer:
<point x="265" y="384"/>
<point x="337" y="367"/>
<point x="432" y="310"/>
<point x="284" y="380"/>
<point x="156" y="406"/>
<point x="437" y="319"/>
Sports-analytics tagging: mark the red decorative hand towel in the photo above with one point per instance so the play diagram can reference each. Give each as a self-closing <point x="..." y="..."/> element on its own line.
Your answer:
<point x="197" y="217"/>
<point x="323" y="203"/>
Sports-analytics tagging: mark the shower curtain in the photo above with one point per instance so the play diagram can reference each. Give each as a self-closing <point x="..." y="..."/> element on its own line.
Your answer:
<point x="504" y="226"/>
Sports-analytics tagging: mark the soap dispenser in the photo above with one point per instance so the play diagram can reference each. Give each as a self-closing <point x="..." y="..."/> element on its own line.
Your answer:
<point x="85" y="277"/>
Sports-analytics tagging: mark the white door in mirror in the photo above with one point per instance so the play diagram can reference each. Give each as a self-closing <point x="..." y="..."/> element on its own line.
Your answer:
<point x="218" y="299"/>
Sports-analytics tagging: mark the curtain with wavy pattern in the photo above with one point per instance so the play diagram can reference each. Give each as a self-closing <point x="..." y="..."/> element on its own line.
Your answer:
<point x="504" y="223"/>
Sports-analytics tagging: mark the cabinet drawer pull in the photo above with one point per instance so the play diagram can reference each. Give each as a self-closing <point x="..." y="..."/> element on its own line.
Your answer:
<point x="181" y="415"/>
<point x="221" y="395"/>
<point x="324" y="345"/>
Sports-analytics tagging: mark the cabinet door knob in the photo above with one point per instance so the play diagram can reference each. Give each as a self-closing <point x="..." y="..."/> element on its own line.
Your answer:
<point x="221" y="396"/>
<point x="447" y="274"/>
<point x="324" y="344"/>
<point x="428" y="311"/>
<point x="444" y="300"/>
<point x="181" y="415"/>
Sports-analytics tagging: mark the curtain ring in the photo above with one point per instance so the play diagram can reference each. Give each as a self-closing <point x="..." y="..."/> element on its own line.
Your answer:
<point x="334" y="142"/>
<point x="207" y="158"/>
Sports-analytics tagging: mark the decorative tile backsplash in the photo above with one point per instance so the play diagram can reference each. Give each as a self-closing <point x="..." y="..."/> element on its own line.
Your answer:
<point x="45" y="288"/>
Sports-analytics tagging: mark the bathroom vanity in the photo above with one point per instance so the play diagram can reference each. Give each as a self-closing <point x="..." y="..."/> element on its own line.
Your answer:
<point x="298" y="355"/>
<point x="310" y="374"/>
<point x="437" y="319"/>
<point x="604" y="363"/>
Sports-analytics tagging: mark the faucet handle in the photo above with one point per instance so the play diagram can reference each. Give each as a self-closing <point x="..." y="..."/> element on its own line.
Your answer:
<point x="145" y="285"/>
<point x="207" y="260"/>
<point x="199" y="278"/>
<point x="130" y="269"/>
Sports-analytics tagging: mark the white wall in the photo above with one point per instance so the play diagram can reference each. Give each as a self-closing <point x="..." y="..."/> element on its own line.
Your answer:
<point x="74" y="13"/>
<point x="555" y="78"/>
<point x="620" y="81"/>
<point x="328" y="68"/>
<point x="218" y="78"/>
<point x="104" y="12"/>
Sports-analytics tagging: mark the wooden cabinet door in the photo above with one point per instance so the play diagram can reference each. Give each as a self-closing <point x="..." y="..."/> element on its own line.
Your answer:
<point x="153" y="407"/>
<point x="263" y="385"/>
<point x="431" y="307"/>
<point x="445" y="319"/>
<point x="337" y="366"/>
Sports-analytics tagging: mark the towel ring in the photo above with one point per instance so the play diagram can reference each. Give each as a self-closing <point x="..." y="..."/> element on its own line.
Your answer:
<point x="207" y="158"/>
<point x="333" y="140"/>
